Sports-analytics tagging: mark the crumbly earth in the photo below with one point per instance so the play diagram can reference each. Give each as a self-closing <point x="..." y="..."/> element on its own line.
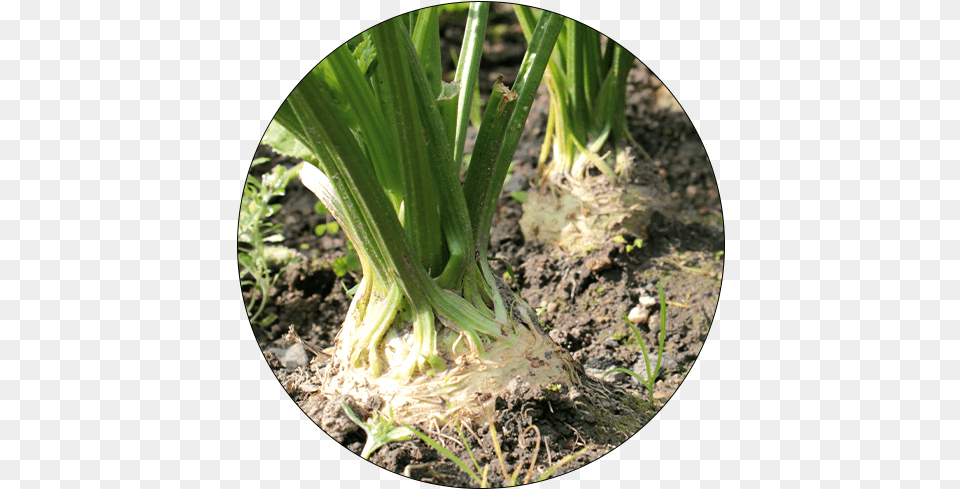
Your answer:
<point x="580" y="299"/>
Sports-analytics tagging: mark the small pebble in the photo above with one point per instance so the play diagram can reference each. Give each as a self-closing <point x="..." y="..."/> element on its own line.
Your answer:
<point x="647" y="302"/>
<point x="638" y="315"/>
<point x="667" y="364"/>
<point x="551" y="307"/>
<point x="691" y="191"/>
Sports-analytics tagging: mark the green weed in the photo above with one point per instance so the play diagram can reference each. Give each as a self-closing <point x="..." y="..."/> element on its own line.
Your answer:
<point x="380" y="430"/>
<point x="651" y="374"/>
<point x="254" y="233"/>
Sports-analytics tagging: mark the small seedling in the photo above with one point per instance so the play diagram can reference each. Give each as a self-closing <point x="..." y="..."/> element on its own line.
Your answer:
<point x="651" y="374"/>
<point x="349" y="263"/>
<point x="328" y="228"/>
<point x="380" y="431"/>
<point x="637" y="243"/>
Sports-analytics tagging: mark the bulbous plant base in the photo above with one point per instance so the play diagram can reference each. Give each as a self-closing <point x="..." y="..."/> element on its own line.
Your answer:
<point x="578" y="215"/>
<point x="467" y="389"/>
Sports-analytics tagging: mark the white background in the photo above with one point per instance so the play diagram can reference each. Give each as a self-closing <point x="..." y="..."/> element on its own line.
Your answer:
<point x="126" y="130"/>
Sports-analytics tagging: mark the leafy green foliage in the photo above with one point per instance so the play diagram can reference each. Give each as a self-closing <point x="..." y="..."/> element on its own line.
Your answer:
<point x="365" y="53"/>
<point x="255" y="231"/>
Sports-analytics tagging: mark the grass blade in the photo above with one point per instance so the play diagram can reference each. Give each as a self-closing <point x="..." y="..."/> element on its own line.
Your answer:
<point x="467" y="446"/>
<point x="446" y="453"/>
<point x="496" y="448"/>
<point x="546" y="475"/>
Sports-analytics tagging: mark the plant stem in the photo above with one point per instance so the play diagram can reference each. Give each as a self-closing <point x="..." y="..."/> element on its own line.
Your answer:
<point x="467" y="68"/>
<point x="490" y="181"/>
<point x="454" y="215"/>
<point x="420" y="218"/>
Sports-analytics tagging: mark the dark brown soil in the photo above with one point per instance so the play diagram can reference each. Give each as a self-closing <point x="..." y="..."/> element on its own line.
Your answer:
<point x="580" y="300"/>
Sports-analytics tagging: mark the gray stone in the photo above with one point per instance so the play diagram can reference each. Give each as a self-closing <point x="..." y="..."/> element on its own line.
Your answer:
<point x="294" y="357"/>
<point x="654" y="323"/>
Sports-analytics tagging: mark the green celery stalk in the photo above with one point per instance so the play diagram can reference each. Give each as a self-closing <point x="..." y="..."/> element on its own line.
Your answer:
<point x="544" y="36"/>
<point x="467" y="68"/>
<point x="454" y="215"/>
<point x="426" y="39"/>
<point x="575" y="74"/>
<point x="421" y="219"/>
<point x="594" y="65"/>
<point x="310" y="115"/>
<point x="382" y="146"/>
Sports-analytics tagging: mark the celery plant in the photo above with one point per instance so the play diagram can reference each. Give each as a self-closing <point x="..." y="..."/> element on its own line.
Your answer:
<point x="430" y="329"/>
<point x="586" y="80"/>
<point x="587" y="85"/>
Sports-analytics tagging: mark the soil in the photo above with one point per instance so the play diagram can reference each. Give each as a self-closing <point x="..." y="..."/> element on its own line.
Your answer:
<point x="580" y="300"/>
